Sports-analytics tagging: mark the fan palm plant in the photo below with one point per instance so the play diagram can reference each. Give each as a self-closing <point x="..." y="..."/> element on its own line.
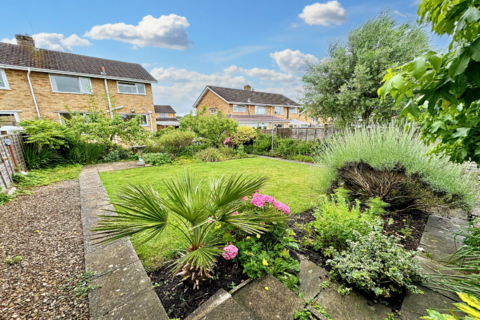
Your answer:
<point x="194" y="208"/>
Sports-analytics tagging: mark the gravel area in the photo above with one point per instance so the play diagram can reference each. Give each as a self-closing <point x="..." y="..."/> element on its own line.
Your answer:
<point x="45" y="229"/>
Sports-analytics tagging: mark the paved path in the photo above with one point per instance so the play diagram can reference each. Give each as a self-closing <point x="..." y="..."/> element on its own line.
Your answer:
<point x="293" y="161"/>
<point x="101" y="167"/>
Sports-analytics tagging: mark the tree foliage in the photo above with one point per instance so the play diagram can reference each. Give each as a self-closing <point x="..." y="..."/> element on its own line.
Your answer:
<point x="173" y="142"/>
<point x="344" y="84"/>
<point x="214" y="128"/>
<point x="47" y="133"/>
<point x="448" y="105"/>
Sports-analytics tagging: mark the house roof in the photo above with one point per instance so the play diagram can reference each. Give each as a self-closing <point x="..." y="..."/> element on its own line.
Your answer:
<point x="250" y="97"/>
<point x="49" y="60"/>
<point x="256" y="118"/>
<point x="164" y="109"/>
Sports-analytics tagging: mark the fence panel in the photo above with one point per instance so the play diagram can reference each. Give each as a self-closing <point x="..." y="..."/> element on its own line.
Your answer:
<point x="11" y="156"/>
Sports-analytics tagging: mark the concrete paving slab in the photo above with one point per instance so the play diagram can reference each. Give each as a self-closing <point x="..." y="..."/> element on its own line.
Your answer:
<point x="351" y="306"/>
<point x="220" y="306"/>
<point x="109" y="258"/>
<point x="268" y="299"/>
<point x="440" y="247"/>
<point x="311" y="277"/>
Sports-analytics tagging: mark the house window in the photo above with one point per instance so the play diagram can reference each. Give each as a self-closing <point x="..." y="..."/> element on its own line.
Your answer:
<point x="8" y="118"/>
<point x="293" y="110"/>
<point x="239" y="108"/>
<point x="67" y="116"/>
<point x="260" y="110"/>
<point x="279" y="125"/>
<point x="213" y="111"/>
<point x="67" y="84"/>
<point x="278" y="110"/>
<point x="132" y="88"/>
<point x="129" y="116"/>
<point x="3" y="80"/>
<point x="315" y="119"/>
<point x="163" y="115"/>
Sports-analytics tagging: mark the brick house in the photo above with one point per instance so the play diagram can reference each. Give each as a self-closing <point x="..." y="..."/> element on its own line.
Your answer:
<point x="253" y="108"/>
<point x="166" y="117"/>
<point x="39" y="83"/>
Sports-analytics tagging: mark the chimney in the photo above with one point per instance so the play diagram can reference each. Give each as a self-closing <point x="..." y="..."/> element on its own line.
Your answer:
<point x="247" y="87"/>
<point x="25" y="40"/>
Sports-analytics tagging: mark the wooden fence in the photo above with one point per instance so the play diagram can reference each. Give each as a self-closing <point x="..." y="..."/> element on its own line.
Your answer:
<point x="306" y="134"/>
<point x="11" y="157"/>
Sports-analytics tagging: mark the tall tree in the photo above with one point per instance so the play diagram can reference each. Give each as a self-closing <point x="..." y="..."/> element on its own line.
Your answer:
<point x="344" y="84"/>
<point x="448" y="104"/>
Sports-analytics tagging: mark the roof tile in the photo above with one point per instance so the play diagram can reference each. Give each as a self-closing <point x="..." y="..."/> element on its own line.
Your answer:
<point x="252" y="97"/>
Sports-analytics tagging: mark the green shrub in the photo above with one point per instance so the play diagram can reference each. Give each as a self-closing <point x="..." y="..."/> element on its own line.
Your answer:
<point x="335" y="222"/>
<point x="211" y="155"/>
<point x="85" y="152"/>
<point x="157" y="159"/>
<point x="376" y="263"/>
<point x="286" y="148"/>
<point x="181" y="160"/>
<point x="244" y="134"/>
<point x="174" y="141"/>
<point x="47" y="133"/>
<point x="117" y="154"/>
<point x="391" y="162"/>
<point x="152" y="146"/>
<point x="5" y="197"/>
<point x="161" y="132"/>
<point x="45" y="157"/>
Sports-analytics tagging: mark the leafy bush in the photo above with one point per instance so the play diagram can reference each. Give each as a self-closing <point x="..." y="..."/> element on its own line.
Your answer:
<point x="161" y="132"/>
<point x="181" y="160"/>
<point x="376" y="263"/>
<point x="174" y="141"/>
<point x="391" y="162"/>
<point x="117" y="154"/>
<point x="47" y="133"/>
<point x="335" y="222"/>
<point x="286" y="148"/>
<point x="471" y="308"/>
<point x="244" y="135"/>
<point x="157" y="159"/>
<point x="5" y="197"/>
<point x="85" y="152"/>
<point x="45" y="157"/>
<point x="211" y="155"/>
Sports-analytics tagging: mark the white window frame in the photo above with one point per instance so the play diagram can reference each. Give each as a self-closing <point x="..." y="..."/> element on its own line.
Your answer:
<point x="280" y="113"/>
<point x="213" y="110"/>
<point x="136" y="88"/>
<point x="293" y="108"/>
<point x="65" y="112"/>
<point x="4" y="77"/>
<point x="264" y="107"/>
<point x="163" y="115"/>
<point x="15" y="114"/>
<point x="236" y="106"/>
<point x="50" y="75"/>
<point x="137" y="114"/>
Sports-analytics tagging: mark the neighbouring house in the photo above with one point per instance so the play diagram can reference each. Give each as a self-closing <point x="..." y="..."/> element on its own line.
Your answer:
<point x="39" y="83"/>
<point x="253" y="108"/>
<point x="166" y="117"/>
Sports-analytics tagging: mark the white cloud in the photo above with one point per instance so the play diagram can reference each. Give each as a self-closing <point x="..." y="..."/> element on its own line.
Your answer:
<point x="227" y="55"/>
<point x="292" y="61"/>
<point x="55" y="41"/>
<point x="398" y="13"/>
<point x="148" y="64"/>
<point x="263" y="74"/>
<point x="293" y="25"/>
<point x="165" y="32"/>
<point x="324" y="14"/>
<point x="133" y="48"/>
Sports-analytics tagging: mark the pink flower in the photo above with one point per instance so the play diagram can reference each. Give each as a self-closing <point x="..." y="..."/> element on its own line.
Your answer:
<point x="226" y="141"/>
<point x="258" y="191"/>
<point x="245" y="198"/>
<point x="234" y="213"/>
<point x="268" y="199"/>
<point x="210" y="219"/>
<point x="257" y="195"/>
<point x="230" y="252"/>
<point x="257" y="201"/>
<point x="282" y="207"/>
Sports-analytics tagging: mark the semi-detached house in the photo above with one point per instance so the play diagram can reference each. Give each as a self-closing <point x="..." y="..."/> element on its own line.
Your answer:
<point x="253" y="108"/>
<point x="38" y="83"/>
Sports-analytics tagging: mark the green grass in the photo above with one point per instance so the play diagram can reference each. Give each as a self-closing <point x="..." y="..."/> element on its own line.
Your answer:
<point x="290" y="183"/>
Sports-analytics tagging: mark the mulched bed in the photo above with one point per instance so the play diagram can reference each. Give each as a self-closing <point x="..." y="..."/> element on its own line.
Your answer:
<point x="45" y="229"/>
<point x="178" y="297"/>
<point x="415" y="221"/>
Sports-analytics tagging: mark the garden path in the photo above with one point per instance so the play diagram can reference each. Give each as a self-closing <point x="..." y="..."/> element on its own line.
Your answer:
<point x="101" y="167"/>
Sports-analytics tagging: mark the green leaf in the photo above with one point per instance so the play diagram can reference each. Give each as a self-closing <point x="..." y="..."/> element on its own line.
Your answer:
<point x="474" y="74"/>
<point x="475" y="49"/>
<point x="435" y="61"/>
<point x="460" y="84"/>
<point x="398" y="82"/>
<point x="471" y="15"/>
<point x="410" y="108"/>
<point x="459" y="64"/>
<point x="437" y="125"/>
<point x="418" y="68"/>
<point x="461" y="132"/>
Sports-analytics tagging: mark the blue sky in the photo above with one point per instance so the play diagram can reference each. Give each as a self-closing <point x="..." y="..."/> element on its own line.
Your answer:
<point x="189" y="44"/>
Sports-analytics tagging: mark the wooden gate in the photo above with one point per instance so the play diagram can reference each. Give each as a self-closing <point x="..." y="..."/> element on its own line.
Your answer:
<point x="11" y="157"/>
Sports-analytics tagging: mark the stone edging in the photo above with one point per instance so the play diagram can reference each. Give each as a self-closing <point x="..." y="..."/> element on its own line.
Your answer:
<point x="126" y="291"/>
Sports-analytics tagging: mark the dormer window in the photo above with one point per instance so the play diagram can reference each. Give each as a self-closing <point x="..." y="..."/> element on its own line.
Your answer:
<point x="239" y="108"/>
<point x="68" y="84"/>
<point x="131" y="88"/>
<point x="260" y="110"/>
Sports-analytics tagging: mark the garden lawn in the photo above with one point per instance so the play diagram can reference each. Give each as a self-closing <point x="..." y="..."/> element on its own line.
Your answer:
<point x="290" y="183"/>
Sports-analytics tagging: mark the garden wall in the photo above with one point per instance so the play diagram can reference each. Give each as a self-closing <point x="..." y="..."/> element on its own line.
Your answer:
<point x="11" y="156"/>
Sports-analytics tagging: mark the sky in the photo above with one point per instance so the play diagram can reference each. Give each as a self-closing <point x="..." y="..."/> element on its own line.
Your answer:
<point x="187" y="45"/>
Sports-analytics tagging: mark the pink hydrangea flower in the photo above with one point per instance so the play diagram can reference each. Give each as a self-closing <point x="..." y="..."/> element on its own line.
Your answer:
<point x="230" y="252"/>
<point x="282" y="207"/>
<point x="245" y="198"/>
<point x="257" y="195"/>
<point x="258" y="191"/>
<point x="234" y="213"/>
<point x="257" y="201"/>
<point x="268" y="199"/>
<point x="226" y="141"/>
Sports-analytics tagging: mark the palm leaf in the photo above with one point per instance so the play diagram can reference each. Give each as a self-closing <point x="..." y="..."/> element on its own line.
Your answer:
<point x="140" y="211"/>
